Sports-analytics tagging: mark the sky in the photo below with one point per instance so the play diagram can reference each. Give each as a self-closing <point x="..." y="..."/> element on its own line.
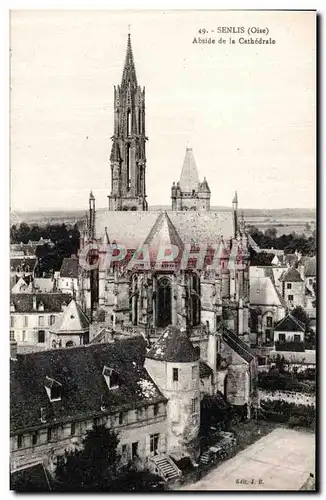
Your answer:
<point x="248" y="111"/>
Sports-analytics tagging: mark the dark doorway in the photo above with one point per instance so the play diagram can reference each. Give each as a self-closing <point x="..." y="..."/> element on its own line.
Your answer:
<point x="134" y="449"/>
<point x="164" y="303"/>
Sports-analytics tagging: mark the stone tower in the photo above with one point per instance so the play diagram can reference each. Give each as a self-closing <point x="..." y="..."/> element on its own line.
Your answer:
<point x="128" y="157"/>
<point x="189" y="193"/>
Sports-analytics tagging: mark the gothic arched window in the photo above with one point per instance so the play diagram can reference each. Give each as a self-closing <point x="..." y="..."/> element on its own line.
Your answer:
<point x="194" y="299"/>
<point x="164" y="314"/>
<point x="133" y="300"/>
<point x="128" y="123"/>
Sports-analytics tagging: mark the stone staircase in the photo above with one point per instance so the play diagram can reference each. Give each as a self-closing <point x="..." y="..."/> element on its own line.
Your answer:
<point x="166" y="468"/>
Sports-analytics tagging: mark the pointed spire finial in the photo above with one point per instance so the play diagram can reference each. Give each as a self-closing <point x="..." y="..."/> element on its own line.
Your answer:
<point x="129" y="71"/>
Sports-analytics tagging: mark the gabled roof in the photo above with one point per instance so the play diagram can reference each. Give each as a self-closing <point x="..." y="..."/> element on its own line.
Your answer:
<point x="291" y="275"/>
<point x="69" y="268"/>
<point x="84" y="389"/>
<point x="289" y="324"/>
<point x="73" y="320"/>
<point x="175" y="346"/>
<point x="189" y="179"/>
<point x="20" y="285"/>
<point x="237" y="345"/>
<point x="163" y="233"/>
<point x="52" y="302"/>
<point x="131" y="228"/>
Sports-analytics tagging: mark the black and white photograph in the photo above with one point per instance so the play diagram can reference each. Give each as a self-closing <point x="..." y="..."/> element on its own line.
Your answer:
<point x="163" y="251"/>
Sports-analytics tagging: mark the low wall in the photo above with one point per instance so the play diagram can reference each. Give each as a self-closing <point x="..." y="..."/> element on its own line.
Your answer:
<point x="298" y="398"/>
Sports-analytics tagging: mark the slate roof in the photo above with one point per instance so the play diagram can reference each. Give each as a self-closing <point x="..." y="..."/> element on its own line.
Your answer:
<point x="23" y="262"/>
<point x="163" y="233"/>
<point x="52" y="302"/>
<point x="310" y="264"/>
<point x="131" y="228"/>
<point x="291" y="275"/>
<point x="289" y="324"/>
<point x="204" y="370"/>
<point x="32" y="479"/>
<point x="69" y="268"/>
<point x="84" y="390"/>
<point x="72" y="320"/>
<point x="237" y="345"/>
<point x="173" y="346"/>
<point x="189" y="179"/>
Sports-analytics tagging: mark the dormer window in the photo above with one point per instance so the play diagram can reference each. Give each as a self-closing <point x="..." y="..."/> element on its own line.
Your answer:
<point x="53" y="389"/>
<point x="111" y="377"/>
<point x="41" y="306"/>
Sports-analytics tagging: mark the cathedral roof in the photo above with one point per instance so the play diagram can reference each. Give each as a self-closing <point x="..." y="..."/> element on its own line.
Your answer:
<point x="73" y="320"/>
<point x="163" y="233"/>
<point x="189" y="175"/>
<point x="131" y="228"/>
<point x="129" y="71"/>
<point x="173" y="346"/>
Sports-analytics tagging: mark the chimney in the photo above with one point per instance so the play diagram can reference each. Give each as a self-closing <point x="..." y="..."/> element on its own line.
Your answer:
<point x="34" y="303"/>
<point x="13" y="350"/>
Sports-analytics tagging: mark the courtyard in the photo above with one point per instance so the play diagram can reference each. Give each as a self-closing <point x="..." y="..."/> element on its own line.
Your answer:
<point x="281" y="460"/>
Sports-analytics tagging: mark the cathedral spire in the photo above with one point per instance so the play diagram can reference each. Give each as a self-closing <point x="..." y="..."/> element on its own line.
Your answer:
<point x="129" y="70"/>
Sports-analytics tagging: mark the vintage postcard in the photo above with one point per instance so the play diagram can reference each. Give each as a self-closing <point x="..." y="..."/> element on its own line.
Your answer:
<point x="163" y="250"/>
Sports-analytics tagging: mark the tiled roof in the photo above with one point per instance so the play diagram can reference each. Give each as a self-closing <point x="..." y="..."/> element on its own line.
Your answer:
<point x="73" y="320"/>
<point x="173" y="345"/>
<point x="84" y="390"/>
<point x="52" y="302"/>
<point x="69" y="268"/>
<point x="291" y="275"/>
<point x="289" y="324"/>
<point x="237" y="345"/>
<point x="132" y="228"/>
<point x="189" y="175"/>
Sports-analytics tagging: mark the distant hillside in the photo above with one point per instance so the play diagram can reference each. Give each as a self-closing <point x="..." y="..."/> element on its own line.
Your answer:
<point x="251" y="215"/>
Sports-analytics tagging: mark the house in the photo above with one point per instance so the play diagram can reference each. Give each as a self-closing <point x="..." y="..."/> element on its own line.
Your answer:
<point x="151" y="397"/>
<point x="289" y="335"/>
<point x="267" y="306"/>
<point x="68" y="278"/>
<point x="57" y="395"/>
<point x="32" y="315"/>
<point x="71" y="329"/>
<point x="293" y="288"/>
<point x="22" y="267"/>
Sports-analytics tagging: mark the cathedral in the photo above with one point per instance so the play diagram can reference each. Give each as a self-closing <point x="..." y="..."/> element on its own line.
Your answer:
<point x="185" y="270"/>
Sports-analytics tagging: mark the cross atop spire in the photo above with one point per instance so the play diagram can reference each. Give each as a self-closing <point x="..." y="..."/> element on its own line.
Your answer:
<point x="129" y="71"/>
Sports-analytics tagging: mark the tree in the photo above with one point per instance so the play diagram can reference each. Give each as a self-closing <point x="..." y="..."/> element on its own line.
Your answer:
<point x="299" y="313"/>
<point x="92" y="468"/>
